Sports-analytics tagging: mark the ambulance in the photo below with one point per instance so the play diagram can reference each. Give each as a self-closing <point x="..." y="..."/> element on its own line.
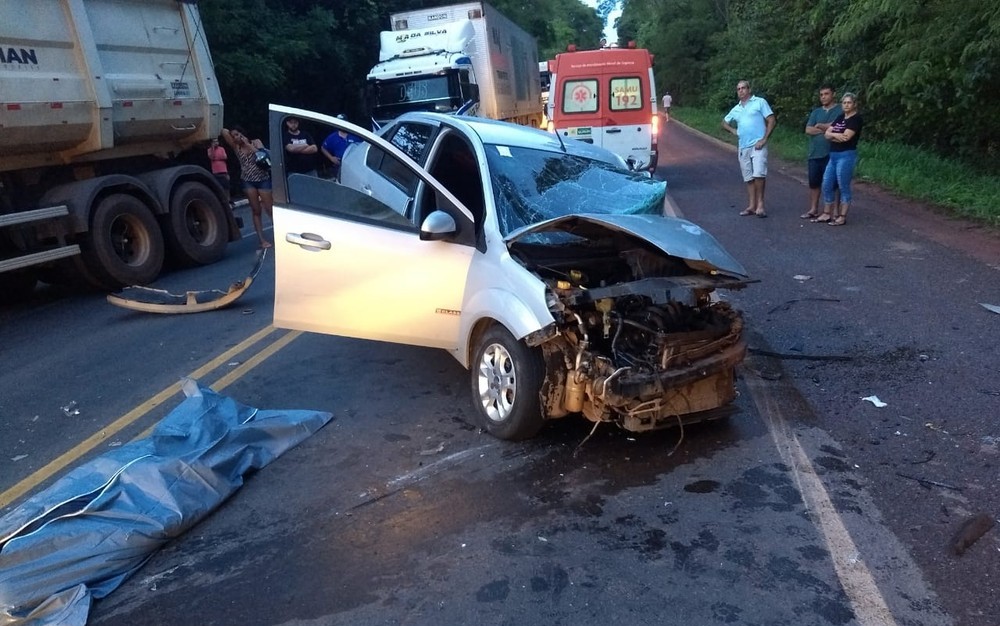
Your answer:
<point x="607" y="97"/>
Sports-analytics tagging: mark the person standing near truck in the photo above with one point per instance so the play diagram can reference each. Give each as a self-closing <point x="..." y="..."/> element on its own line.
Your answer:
<point x="256" y="178"/>
<point x="219" y="160"/>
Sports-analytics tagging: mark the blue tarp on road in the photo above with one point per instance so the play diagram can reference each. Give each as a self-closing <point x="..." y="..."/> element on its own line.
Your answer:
<point x="84" y="535"/>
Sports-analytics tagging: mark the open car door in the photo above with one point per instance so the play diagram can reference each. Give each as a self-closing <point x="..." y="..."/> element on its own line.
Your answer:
<point x="351" y="258"/>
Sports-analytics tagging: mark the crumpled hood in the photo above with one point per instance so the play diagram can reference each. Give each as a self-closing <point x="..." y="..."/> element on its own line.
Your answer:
<point x="674" y="236"/>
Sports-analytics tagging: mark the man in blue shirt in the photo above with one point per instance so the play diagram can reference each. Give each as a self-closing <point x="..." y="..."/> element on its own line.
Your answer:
<point x="335" y="145"/>
<point x="754" y="121"/>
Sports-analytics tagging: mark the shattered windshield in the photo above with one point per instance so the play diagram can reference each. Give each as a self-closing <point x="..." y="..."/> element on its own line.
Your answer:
<point x="532" y="185"/>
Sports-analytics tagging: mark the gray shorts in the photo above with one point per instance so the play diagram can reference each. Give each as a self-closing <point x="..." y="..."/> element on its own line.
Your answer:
<point x="753" y="163"/>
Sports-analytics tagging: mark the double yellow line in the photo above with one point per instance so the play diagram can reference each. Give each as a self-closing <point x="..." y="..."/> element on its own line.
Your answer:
<point x="79" y="450"/>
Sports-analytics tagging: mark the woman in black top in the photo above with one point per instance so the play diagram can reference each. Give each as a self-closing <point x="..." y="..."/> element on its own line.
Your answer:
<point x="843" y="135"/>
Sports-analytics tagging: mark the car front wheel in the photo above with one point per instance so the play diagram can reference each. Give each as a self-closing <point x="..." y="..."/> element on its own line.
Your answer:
<point x="506" y="377"/>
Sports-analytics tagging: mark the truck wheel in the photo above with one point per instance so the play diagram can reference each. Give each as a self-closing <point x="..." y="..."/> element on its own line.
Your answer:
<point x="506" y="376"/>
<point x="198" y="231"/>
<point x="124" y="246"/>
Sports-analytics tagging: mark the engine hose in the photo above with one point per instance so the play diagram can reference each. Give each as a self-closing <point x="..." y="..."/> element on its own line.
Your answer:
<point x="604" y="383"/>
<point x="614" y="340"/>
<point x="584" y="343"/>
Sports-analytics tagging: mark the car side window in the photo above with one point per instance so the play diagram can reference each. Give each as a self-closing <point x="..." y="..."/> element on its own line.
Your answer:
<point x="455" y="166"/>
<point x="392" y="170"/>
<point x="412" y="139"/>
<point x="368" y="185"/>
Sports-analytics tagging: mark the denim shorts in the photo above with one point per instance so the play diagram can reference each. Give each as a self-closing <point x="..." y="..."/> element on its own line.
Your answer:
<point x="259" y="185"/>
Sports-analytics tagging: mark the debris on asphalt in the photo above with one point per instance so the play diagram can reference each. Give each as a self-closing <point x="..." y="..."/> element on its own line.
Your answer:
<point x="990" y="307"/>
<point x="928" y="483"/>
<point x="802" y="277"/>
<point x="928" y="456"/>
<point x="437" y="450"/>
<point x="799" y="357"/>
<point x="71" y="409"/>
<point x="874" y="400"/>
<point x="970" y="531"/>
<point x="937" y="428"/>
<point x="788" y="305"/>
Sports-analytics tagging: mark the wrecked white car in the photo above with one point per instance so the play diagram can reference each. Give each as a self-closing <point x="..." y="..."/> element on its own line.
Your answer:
<point x="545" y="268"/>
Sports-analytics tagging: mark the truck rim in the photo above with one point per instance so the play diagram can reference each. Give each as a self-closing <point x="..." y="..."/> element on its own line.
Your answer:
<point x="130" y="240"/>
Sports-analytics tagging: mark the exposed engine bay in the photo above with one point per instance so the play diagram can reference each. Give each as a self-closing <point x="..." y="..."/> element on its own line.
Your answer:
<point x="637" y="338"/>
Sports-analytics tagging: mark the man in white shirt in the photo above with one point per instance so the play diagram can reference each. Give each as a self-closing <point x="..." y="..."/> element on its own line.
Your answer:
<point x="754" y="121"/>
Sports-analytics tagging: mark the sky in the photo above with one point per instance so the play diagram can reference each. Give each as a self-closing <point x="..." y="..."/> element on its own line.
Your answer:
<point x="609" y="30"/>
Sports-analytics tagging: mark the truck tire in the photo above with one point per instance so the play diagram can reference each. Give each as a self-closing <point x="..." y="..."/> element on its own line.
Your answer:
<point x="506" y="376"/>
<point x="197" y="232"/>
<point x="124" y="246"/>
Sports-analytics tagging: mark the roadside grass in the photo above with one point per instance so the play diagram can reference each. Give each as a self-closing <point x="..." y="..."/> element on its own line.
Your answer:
<point x="906" y="171"/>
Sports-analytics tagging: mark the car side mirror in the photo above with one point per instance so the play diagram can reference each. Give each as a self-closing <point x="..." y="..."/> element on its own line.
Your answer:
<point x="437" y="226"/>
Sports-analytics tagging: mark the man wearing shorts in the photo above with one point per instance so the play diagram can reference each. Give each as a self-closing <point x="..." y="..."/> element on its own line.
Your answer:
<point x="820" y="119"/>
<point x="754" y="121"/>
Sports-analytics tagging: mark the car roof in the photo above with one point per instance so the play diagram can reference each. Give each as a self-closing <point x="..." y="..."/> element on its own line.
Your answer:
<point x="497" y="132"/>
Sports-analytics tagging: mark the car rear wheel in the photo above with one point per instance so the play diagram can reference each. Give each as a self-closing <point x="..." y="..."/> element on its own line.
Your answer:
<point x="506" y="376"/>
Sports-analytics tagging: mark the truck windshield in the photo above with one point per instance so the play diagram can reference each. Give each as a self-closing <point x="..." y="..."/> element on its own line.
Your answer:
<point x="392" y="98"/>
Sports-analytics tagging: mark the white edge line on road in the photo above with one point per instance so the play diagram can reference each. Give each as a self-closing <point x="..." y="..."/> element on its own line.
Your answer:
<point x="870" y="607"/>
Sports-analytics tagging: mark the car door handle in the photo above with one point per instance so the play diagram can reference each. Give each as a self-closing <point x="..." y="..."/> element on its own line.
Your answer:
<point x="309" y="241"/>
<point x="613" y="130"/>
<point x="367" y="189"/>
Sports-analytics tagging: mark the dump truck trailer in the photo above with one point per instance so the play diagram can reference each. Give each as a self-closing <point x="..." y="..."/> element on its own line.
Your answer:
<point x="104" y="108"/>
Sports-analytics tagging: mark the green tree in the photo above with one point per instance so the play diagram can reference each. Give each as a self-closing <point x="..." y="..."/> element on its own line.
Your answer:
<point x="926" y="73"/>
<point x="678" y="33"/>
<point x="316" y="54"/>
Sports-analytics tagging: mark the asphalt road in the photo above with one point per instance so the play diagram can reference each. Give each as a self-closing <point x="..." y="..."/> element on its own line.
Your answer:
<point x="811" y="506"/>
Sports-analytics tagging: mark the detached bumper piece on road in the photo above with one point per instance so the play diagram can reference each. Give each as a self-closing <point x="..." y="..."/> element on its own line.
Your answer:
<point x="83" y="536"/>
<point x="149" y="300"/>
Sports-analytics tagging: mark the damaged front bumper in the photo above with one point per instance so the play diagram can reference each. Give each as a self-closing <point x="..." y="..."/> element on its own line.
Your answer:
<point x="692" y="378"/>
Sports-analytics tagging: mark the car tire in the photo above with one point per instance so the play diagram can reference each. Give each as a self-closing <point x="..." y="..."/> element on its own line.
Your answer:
<point x="506" y="377"/>
<point x="124" y="246"/>
<point x="197" y="231"/>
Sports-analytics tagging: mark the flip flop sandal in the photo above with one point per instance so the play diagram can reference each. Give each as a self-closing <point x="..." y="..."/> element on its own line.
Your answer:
<point x="825" y="217"/>
<point x="746" y="212"/>
<point x="840" y="221"/>
<point x="809" y="216"/>
<point x="760" y="214"/>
